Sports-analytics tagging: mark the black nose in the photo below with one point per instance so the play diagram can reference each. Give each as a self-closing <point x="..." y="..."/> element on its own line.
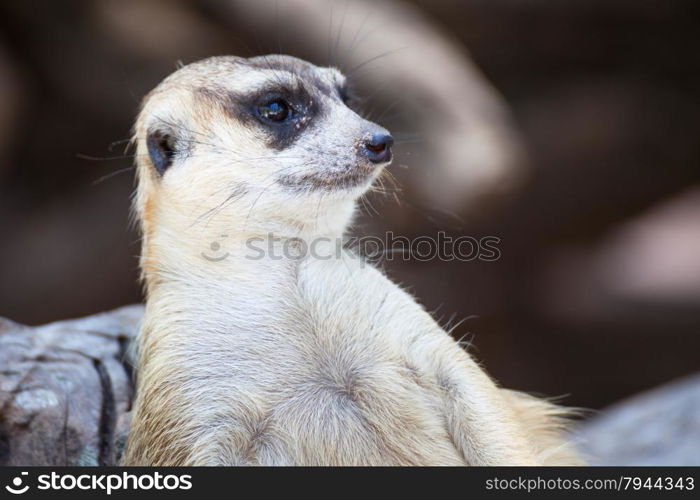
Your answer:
<point x="378" y="148"/>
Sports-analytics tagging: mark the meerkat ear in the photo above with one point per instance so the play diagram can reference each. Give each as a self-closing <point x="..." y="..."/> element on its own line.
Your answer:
<point x="161" y="150"/>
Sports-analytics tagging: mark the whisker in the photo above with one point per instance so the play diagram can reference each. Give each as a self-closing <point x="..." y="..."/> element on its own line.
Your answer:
<point x="237" y="194"/>
<point x="115" y="143"/>
<point x="356" y="40"/>
<point x="277" y="26"/>
<point x="340" y="29"/>
<point x="83" y="156"/>
<point x="112" y="174"/>
<point x="375" y="58"/>
<point x="330" y="37"/>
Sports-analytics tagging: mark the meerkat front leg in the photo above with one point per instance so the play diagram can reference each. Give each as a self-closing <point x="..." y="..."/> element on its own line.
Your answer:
<point x="479" y="419"/>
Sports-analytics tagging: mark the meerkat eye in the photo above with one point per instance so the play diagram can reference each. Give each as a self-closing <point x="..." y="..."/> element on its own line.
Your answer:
<point x="275" y="111"/>
<point x="161" y="149"/>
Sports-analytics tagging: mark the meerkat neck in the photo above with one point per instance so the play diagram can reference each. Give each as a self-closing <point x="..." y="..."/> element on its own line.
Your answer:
<point x="178" y="249"/>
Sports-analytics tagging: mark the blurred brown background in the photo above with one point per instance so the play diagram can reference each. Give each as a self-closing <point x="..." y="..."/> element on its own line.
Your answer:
<point x="583" y="157"/>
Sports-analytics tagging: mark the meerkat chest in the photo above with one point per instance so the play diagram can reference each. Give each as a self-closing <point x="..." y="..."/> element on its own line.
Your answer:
<point x="299" y="310"/>
<point x="319" y="361"/>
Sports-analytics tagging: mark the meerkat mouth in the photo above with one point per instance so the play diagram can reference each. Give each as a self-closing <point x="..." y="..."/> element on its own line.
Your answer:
<point x="329" y="181"/>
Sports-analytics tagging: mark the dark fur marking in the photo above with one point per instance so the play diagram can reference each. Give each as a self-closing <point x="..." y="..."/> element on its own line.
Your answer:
<point x="165" y="143"/>
<point x="417" y="376"/>
<point x="298" y="84"/>
<point x="447" y="385"/>
<point x="348" y="387"/>
<point x="243" y="107"/>
<point x="161" y="150"/>
<point x="258" y="437"/>
<point x="341" y="380"/>
<point x="348" y="97"/>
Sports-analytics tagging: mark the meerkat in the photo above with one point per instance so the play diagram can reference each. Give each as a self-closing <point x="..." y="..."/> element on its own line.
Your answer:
<point x="315" y="358"/>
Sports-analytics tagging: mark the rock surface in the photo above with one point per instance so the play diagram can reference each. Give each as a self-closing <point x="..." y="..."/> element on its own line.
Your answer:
<point x="65" y="389"/>
<point x="659" y="427"/>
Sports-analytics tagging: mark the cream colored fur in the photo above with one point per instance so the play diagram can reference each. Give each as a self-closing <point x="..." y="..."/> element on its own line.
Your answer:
<point x="292" y="361"/>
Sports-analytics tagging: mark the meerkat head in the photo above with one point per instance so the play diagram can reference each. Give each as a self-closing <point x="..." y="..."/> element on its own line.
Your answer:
<point x="255" y="143"/>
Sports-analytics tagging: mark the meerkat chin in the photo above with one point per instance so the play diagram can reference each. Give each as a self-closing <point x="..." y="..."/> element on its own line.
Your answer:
<point x="291" y="361"/>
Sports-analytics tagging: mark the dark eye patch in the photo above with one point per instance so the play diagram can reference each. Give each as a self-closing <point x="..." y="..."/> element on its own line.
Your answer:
<point x="162" y="147"/>
<point x="347" y="96"/>
<point x="301" y="111"/>
<point x="248" y="108"/>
